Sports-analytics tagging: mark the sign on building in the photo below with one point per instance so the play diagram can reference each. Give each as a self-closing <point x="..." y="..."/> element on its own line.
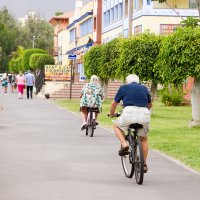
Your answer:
<point x="138" y="29"/>
<point x="57" y="73"/>
<point x="166" y="29"/>
<point x="72" y="56"/>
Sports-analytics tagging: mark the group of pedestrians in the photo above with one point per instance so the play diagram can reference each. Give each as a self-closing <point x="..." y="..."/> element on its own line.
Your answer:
<point x="8" y="81"/>
<point x="19" y="82"/>
<point x="136" y="101"/>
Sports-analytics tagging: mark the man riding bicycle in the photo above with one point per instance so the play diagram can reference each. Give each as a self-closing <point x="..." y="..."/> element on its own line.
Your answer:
<point x="137" y="102"/>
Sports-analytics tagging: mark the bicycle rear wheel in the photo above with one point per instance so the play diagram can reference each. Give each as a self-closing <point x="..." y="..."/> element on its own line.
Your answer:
<point x="139" y="162"/>
<point x="91" y="128"/>
<point x="127" y="163"/>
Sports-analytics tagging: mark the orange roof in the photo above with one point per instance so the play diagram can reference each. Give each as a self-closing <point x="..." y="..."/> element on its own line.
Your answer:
<point x="66" y="15"/>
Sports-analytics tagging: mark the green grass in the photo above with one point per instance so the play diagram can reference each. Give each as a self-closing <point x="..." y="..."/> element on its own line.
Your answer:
<point x="169" y="132"/>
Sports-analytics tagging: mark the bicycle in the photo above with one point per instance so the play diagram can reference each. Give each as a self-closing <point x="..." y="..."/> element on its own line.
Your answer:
<point x="133" y="159"/>
<point x="91" y="121"/>
<point x="133" y="162"/>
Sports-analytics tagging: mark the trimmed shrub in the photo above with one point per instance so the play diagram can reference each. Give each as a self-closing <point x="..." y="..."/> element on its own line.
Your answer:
<point x="26" y="57"/>
<point x="38" y="61"/>
<point x="173" y="98"/>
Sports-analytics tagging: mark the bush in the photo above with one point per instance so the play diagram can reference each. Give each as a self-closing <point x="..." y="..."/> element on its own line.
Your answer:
<point x="175" y="98"/>
<point x="26" y="57"/>
<point x="43" y="60"/>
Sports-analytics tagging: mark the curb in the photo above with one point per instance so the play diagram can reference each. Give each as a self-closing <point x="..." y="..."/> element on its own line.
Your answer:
<point x="178" y="162"/>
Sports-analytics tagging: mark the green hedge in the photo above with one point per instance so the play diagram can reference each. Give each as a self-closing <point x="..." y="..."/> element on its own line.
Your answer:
<point x="38" y="60"/>
<point x="26" y="57"/>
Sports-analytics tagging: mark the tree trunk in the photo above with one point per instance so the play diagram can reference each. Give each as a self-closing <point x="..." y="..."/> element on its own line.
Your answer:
<point x="104" y="85"/>
<point x="198" y="4"/>
<point x="195" y="101"/>
<point x="153" y="91"/>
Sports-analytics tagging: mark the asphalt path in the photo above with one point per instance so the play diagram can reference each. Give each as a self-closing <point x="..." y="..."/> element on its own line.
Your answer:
<point x="45" y="156"/>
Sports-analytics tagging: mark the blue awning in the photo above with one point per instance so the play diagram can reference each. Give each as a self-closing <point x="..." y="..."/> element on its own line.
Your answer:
<point x="80" y="47"/>
<point x="79" y="19"/>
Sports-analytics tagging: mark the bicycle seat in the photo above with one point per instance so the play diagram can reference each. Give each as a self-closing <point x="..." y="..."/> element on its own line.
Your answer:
<point x="136" y="126"/>
<point x="94" y="109"/>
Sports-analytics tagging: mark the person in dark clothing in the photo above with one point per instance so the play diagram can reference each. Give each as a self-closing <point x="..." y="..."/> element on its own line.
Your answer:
<point x="137" y="102"/>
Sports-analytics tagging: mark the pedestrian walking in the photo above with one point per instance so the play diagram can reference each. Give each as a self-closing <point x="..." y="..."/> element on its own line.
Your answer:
<point x="5" y="82"/>
<point x="20" y="84"/>
<point x="30" y="81"/>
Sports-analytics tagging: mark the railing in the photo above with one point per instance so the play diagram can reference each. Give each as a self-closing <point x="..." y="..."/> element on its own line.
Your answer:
<point x="39" y="80"/>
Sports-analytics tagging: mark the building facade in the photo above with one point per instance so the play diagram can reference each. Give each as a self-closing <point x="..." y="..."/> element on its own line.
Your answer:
<point x="127" y="17"/>
<point x="60" y="36"/>
<point x="84" y="31"/>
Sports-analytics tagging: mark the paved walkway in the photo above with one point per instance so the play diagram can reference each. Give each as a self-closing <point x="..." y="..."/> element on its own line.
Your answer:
<point x="45" y="156"/>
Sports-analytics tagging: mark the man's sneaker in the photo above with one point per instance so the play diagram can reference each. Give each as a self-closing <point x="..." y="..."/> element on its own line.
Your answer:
<point x="83" y="127"/>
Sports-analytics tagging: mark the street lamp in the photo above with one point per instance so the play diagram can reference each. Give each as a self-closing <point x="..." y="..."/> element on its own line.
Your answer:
<point x="34" y="41"/>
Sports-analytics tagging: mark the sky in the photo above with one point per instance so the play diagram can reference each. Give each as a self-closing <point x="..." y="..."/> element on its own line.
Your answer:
<point x="46" y="8"/>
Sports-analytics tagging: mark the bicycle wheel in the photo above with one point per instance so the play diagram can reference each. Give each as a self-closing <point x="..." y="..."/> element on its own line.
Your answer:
<point x="127" y="163"/>
<point x="91" y="128"/>
<point x="139" y="162"/>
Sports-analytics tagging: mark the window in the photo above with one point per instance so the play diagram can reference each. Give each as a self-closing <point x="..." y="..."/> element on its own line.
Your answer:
<point x="86" y="27"/>
<point x="104" y="19"/>
<point x="112" y="15"/>
<point x="108" y="17"/>
<point x="192" y="4"/>
<point x="136" y="4"/>
<point x="72" y="35"/>
<point x="116" y="12"/>
<point x="120" y="11"/>
<point x="148" y="2"/>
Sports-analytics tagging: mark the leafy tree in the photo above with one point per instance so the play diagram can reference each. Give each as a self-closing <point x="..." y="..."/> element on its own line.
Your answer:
<point x="15" y="64"/>
<point x="111" y="51"/>
<point x="190" y="22"/>
<point x="42" y="31"/>
<point x="8" y="33"/>
<point x="26" y="57"/>
<point x="38" y="60"/>
<point x="58" y="13"/>
<point x="179" y="58"/>
<point x="93" y="61"/>
<point x="139" y="55"/>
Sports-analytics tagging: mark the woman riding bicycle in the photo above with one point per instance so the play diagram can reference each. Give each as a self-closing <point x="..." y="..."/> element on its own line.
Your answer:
<point x="136" y="100"/>
<point x="91" y="96"/>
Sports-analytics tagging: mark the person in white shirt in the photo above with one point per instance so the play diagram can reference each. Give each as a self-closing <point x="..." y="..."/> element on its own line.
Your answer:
<point x="30" y="81"/>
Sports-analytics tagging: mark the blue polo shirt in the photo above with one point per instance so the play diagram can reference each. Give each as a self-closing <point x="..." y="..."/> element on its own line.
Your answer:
<point x="133" y="94"/>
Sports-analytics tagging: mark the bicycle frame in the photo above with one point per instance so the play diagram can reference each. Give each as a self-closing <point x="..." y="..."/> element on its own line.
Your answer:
<point x="91" y="121"/>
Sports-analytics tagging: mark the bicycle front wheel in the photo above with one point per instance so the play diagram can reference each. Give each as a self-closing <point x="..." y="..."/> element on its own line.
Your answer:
<point x="127" y="164"/>
<point x="139" y="162"/>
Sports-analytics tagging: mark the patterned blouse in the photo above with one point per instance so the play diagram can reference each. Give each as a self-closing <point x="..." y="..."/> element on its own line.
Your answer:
<point x="91" y="95"/>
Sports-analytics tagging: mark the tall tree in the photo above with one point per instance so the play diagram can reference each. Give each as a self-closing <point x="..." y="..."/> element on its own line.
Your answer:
<point x="139" y="55"/>
<point x="8" y="33"/>
<point x="38" y="31"/>
<point x="179" y="58"/>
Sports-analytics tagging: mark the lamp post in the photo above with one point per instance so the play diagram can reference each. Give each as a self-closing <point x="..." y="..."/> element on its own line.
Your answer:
<point x="34" y="41"/>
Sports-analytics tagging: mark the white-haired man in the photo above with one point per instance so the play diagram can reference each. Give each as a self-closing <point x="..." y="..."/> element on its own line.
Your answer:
<point x="30" y="81"/>
<point x="137" y="102"/>
<point x="91" y="96"/>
